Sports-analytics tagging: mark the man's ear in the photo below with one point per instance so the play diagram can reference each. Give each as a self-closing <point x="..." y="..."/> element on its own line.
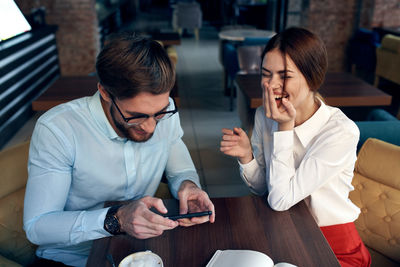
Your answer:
<point x="104" y="94"/>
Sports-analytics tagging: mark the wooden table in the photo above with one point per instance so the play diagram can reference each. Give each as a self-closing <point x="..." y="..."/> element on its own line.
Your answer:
<point x="240" y="35"/>
<point x="65" y="89"/>
<point x="69" y="88"/>
<point x="241" y="223"/>
<point x="340" y="89"/>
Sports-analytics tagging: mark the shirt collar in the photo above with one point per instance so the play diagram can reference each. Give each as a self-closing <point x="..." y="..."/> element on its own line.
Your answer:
<point x="310" y="128"/>
<point x="96" y="109"/>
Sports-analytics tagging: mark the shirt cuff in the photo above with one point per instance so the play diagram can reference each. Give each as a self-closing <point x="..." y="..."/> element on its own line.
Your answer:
<point x="250" y="173"/>
<point x="89" y="225"/>
<point x="249" y="166"/>
<point x="248" y="170"/>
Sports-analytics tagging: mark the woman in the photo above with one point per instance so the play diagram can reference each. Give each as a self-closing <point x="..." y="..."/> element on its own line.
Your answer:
<point x="300" y="147"/>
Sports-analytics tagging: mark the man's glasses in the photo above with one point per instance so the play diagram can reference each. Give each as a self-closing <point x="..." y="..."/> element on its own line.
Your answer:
<point x="140" y="118"/>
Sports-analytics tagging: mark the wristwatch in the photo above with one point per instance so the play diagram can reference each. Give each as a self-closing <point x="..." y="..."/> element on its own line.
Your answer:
<point x="111" y="222"/>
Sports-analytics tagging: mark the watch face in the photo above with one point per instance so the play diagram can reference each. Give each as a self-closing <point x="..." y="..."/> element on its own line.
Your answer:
<point x="111" y="225"/>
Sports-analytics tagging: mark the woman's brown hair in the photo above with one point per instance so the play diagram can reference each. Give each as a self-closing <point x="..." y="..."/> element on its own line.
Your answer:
<point x="129" y="65"/>
<point x="307" y="51"/>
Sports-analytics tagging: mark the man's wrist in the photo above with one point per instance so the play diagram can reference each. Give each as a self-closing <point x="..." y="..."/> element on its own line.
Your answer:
<point x="111" y="221"/>
<point x="187" y="184"/>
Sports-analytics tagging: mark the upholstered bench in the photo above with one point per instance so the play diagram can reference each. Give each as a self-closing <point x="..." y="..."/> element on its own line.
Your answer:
<point x="388" y="59"/>
<point x="15" y="249"/>
<point x="377" y="193"/>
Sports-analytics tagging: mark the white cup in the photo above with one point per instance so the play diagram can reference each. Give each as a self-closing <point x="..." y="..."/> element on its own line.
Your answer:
<point x="142" y="259"/>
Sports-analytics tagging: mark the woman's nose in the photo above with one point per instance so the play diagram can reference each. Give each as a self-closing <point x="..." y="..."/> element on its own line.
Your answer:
<point x="275" y="82"/>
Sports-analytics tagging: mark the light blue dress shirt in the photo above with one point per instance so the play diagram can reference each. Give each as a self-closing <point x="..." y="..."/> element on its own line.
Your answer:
<point x="77" y="162"/>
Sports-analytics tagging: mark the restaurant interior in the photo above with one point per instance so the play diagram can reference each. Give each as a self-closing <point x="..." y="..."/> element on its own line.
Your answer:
<point x="216" y="47"/>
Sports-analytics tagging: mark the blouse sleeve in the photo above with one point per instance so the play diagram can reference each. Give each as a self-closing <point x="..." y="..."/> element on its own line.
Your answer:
<point x="253" y="173"/>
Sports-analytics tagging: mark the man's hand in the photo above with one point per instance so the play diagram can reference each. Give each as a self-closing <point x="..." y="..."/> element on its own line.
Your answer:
<point x="139" y="221"/>
<point x="236" y="143"/>
<point x="193" y="199"/>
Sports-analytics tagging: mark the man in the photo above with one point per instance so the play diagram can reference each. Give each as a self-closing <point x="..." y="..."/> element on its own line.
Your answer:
<point x="114" y="145"/>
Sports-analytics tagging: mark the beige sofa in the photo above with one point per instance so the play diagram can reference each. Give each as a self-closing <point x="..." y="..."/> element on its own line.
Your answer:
<point x="15" y="249"/>
<point x="377" y="193"/>
<point x="388" y="59"/>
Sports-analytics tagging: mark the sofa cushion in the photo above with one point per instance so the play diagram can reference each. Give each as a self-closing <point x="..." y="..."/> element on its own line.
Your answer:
<point x="392" y="43"/>
<point x="388" y="59"/>
<point x="13" y="166"/>
<point x="379" y="161"/>
<point x="377" y="193"/>
<point x="13" y="242"/>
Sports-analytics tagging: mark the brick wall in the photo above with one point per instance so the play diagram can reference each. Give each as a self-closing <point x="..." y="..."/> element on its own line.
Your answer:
<point x="334" y="23"/>
<point x="77" y="36"/>
<point x="386" y="13"/>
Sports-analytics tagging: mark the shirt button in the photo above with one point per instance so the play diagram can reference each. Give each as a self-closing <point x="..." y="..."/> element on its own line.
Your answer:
<point x="360" y="186"/>
<point x="367" y="231"/>
<point x="387" y="219"/>
<point x="383" y="196"/>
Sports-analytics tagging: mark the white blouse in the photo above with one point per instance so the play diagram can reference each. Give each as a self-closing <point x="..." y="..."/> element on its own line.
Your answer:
<point x="315" y="160"/>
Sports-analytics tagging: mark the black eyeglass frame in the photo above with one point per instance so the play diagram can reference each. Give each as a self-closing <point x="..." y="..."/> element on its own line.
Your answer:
<point x="146" y="116"/>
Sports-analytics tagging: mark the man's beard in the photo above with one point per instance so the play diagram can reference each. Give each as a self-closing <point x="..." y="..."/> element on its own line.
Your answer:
<point x="125" y="130"/>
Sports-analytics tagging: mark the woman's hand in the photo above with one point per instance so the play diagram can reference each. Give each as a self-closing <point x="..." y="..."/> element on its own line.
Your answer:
<point x="284" y="115"/>
<point x="236" y="143"/>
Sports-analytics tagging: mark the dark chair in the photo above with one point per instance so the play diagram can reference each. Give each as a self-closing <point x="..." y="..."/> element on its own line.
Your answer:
<point x="187" y="15"/>
<point x="231" y="61"/>
<point x="362" y="51"/>
<point x="231" y="67"/>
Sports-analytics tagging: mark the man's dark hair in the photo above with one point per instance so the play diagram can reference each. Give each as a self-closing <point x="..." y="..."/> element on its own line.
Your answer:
<point x="129" y="64"/>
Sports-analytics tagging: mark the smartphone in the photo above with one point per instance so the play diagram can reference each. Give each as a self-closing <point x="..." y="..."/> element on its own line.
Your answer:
<point x="188" y="215"/>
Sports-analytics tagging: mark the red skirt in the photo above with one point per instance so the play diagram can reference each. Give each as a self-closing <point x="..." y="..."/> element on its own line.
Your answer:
<point x="347" y="245"/>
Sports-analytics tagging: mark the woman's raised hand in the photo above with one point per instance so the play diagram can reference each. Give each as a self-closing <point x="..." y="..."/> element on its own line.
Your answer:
<point x="285" y="114"/>
<point x="236" y="143"/>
